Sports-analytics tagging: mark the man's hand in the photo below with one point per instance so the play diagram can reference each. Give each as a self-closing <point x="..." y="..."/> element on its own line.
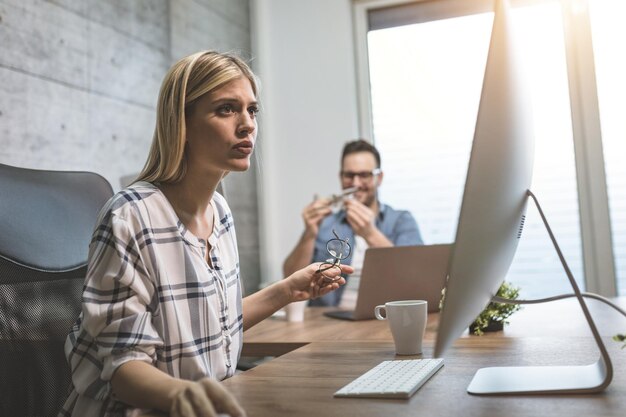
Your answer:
<point x="361" y="218"/>
<point x="314" y="213"/>
<point x="205" y="398"/>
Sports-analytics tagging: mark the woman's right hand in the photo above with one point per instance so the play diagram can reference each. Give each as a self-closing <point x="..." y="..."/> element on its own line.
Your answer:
<point x="205" y="397"/>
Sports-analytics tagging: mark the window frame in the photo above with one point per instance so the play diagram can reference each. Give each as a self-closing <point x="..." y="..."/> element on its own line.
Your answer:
<point x="596" y="238"/>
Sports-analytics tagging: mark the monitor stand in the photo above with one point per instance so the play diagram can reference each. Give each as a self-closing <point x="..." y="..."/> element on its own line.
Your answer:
<point x="577" y="379"/>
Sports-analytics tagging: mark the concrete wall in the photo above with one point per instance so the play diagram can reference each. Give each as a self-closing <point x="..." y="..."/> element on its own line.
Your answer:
<point x="79" y="82"/>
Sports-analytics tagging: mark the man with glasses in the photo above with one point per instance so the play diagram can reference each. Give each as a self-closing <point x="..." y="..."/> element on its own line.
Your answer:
<point x="363" y="220"/>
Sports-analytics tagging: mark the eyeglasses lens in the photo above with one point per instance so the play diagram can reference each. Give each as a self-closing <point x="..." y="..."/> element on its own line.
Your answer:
<point x="338" y="248"/>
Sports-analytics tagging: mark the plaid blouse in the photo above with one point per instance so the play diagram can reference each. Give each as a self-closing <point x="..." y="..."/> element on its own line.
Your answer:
<point x="150" y="295"/>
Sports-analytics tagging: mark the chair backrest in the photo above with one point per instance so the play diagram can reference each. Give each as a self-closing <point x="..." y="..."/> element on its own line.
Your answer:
<point x="46" y="222"/>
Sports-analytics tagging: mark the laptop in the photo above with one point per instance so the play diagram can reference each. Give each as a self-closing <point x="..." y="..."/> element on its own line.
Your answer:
<point x="399" y="273"/>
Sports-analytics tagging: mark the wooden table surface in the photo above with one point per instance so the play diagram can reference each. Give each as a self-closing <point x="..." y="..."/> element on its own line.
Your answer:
<point x="275" y="336"/>
<point x="330" y="353"/>
<point x="320" y="355"/>
<point x="301" y="383"/>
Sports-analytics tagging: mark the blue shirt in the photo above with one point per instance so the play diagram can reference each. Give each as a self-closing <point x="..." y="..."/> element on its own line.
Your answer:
<point x="399" y="226"/>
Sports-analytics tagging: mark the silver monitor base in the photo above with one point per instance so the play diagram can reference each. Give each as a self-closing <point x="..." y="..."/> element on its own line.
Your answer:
<point x="549" y="379"/>
<point x="539" y="379"/>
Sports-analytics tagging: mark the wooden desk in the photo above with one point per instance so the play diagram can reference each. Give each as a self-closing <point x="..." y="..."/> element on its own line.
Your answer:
<point x="301" y="383"/>
<point x="321" y="355"/>
<point x="275" y="336"/>
<point x="330" y="353"/>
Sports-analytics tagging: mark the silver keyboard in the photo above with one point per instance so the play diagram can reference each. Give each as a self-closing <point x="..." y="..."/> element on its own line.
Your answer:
<point x="392" y="379"/>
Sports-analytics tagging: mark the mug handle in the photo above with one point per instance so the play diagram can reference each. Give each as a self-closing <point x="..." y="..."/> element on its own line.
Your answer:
<point x="377" y="312"/>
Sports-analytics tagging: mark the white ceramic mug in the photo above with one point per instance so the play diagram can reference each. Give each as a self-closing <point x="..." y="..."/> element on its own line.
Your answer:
<point x="407" y="321"/>
<point x="295" y="311"/>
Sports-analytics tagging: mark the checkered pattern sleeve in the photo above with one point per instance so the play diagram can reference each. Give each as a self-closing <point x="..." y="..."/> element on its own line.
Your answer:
<point x="117" y="297"/>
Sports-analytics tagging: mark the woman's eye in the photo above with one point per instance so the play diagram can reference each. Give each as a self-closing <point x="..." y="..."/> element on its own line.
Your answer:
<point x="253" y="110"/>
<point x="225" y="109"/>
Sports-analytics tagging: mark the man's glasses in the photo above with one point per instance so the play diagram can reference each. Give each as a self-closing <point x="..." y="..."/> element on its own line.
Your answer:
<point x="363" y="175"/>
<point x="339" y="249"/>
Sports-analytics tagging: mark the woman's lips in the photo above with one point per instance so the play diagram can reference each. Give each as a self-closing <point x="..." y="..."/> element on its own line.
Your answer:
<point x="244" y="147"/>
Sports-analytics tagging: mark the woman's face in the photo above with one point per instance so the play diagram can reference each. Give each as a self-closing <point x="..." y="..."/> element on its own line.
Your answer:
<point x="221" y="129"/>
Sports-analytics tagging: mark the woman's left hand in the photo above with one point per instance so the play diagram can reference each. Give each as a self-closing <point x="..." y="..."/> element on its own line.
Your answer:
<point x="307" y="283"/>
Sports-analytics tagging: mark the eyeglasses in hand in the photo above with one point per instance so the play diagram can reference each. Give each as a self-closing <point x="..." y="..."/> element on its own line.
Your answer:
<point x="339" y="249"/>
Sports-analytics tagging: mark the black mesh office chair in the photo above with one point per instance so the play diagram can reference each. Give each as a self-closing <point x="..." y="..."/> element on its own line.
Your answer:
<point x="46" y="222"/>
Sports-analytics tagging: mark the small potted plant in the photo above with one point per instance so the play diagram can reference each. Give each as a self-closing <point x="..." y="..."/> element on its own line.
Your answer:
<point x="494" y="316"/>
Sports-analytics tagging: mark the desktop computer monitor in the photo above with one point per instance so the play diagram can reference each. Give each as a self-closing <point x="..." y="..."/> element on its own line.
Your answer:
<point x="491" y="220"/>
<point x="494" y="199"/>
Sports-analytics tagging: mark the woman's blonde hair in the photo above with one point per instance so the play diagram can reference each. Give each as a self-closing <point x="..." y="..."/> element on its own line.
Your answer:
<point x="186" y="81"/>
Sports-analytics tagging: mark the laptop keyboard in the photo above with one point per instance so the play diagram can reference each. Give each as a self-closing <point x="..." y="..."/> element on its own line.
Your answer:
<point x="392" y="379"/>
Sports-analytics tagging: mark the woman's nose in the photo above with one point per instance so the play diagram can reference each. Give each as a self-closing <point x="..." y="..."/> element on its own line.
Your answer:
<point x="247" y="124"/>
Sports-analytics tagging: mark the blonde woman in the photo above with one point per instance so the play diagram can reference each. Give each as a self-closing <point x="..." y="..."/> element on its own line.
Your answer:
<point x="163" y="313"/>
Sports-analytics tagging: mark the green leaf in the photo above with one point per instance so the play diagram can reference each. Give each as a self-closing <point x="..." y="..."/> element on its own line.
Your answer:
<point x="497" y="311"/>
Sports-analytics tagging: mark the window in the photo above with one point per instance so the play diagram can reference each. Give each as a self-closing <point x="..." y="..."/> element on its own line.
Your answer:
<point x="425" y="76"/>
<point x="418" y="88"/>
<point x="608" y="35"/>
